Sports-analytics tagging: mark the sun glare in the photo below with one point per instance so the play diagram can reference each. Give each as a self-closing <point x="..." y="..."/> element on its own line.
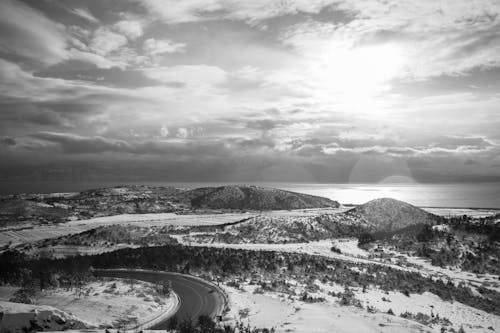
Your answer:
<point x="353" y="77"/>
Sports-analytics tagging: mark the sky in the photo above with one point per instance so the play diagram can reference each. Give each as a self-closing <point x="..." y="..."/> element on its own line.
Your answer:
<point x="317" y="91"/>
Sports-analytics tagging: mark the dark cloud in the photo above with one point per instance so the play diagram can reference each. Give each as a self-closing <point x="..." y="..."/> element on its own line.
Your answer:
<point x="49" y="115"/>
<point x="114" y="77"/>
<point x="8" y="141"/>
<point x="256" y="143"/>
<point x="264" y="124"/>
<point x="75" y="144"/>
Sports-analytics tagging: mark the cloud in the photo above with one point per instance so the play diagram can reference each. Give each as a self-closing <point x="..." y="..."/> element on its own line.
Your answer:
<point x="251" y="158"/>
<point x="455" y="142"/>
<point x="76" y="144"/>
<point x="252" y="11"/>
<point x="130" y="28"/>
<point x="8" y="141"/>
<point x="105" y="41"/>
<point x="16" y="83"/>
<point x="84" y="13"/>
<point x="191" y="75"/>
<point x="156" y="47"/>
<point x="433" y="38"/>
<point x="253" y="87"/>
<point x="110" y="47"/>
<point x="263" y="124"/>
<point x="28" y="33"/>
<point x="96" y="59"/>
<point x="182" y="133"/>
<point x="164" y="132"/>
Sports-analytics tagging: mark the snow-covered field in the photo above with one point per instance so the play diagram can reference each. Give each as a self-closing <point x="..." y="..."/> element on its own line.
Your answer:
<point x="107" y="303"/>
<point x="30" y="235"/>
<point x="112" y="302"/>
<point x="305" y="212"/>
<point x="162" y="219"/>
<point x="472" y="319"/>
<point x="291" y="315"/>
<point x="349" y="246"/>
<point x="64" y="251"/>
<point x="37" y="233"/>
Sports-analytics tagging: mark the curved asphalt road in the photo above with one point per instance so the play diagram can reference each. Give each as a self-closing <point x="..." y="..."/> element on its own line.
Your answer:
<point x="197" y="297"/>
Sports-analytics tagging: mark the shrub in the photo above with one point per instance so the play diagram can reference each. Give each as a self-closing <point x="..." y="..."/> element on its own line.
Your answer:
<point x="365" y="238"/>
<point x="426" y="234"/>
<point x="335" y="249"/>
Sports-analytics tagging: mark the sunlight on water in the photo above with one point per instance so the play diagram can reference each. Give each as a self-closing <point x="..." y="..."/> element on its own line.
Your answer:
<point x="475" y="195"/>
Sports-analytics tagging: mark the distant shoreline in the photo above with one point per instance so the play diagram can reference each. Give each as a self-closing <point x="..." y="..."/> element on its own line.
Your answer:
<point x="437" y="207"/>
<point x="473" y="196"/>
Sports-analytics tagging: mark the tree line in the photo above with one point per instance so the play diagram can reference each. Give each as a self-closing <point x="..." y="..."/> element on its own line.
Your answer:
<point x="226" y="264"/>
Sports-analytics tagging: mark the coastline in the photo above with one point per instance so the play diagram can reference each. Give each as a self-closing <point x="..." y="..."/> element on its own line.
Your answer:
<point x="472" y="195"/>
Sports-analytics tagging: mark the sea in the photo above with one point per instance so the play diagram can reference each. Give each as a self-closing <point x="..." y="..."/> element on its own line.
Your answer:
<point x="456" y="195"/>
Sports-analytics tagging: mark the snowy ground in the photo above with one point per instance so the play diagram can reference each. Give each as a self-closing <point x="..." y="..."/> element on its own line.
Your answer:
<point x="64" y="251"/>
<point x="162" y="219"/>
<point x="424" y="266"/>
<point x="290" y="315"/>
<point x="350" y="253"/>
<point x="472" y="319"/>
<point x="305" y="212"/>
<point x="349" y="246"/>
<point x="111" y="302"/>
<point x="98" y="305"/>
<point x="27" y="233"/>
<point x="33" y="234"/>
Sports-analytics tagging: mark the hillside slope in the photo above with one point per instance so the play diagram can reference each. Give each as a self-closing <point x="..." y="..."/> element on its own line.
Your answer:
<point x="142" y="199"/>
<point x="254" y="198"/>
<point x="15" y="211"/>
<point x="386" y="214"/>
<point x="280" y="229"/>
<point x="383" y="217"/>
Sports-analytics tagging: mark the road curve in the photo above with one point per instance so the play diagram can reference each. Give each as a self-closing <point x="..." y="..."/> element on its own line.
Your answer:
<point x="197" y="296"/>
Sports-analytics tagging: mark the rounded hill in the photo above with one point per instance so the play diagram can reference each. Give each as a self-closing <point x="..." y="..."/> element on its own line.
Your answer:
<point x="254" y="198"/>
<point x="386" y="214"/>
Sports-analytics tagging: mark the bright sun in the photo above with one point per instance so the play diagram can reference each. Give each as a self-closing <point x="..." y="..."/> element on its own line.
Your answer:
<point x="353" y="77"/>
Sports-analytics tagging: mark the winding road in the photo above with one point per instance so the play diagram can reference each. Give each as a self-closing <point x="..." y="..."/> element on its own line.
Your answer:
<point x="197" y="296"/>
